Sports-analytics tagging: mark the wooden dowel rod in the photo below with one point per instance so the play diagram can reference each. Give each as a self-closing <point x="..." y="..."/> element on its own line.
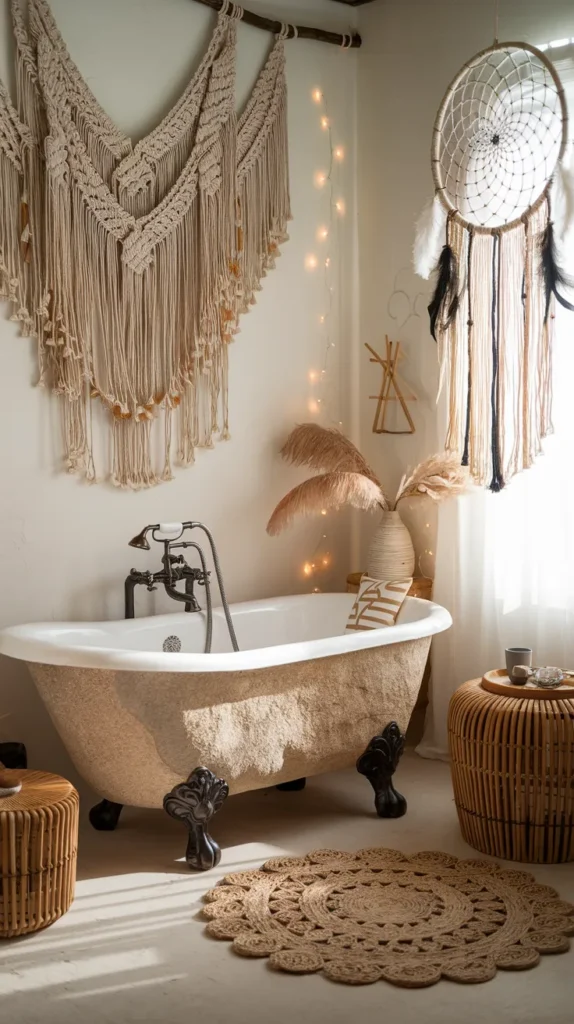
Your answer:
<point x="303" y="31"/>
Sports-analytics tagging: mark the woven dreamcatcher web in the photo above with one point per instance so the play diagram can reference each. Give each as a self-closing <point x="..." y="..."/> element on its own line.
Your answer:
<point x="498" y="141"/>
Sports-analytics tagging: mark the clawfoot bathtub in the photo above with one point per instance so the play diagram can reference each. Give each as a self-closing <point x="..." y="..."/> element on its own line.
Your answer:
<point x="139" y="710"/>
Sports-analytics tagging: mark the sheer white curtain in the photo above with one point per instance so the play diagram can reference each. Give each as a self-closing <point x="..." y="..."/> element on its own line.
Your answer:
<point x="505" y="562"/>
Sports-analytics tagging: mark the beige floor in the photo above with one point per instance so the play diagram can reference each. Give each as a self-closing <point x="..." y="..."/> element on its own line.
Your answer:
<point x="133" y="948"/>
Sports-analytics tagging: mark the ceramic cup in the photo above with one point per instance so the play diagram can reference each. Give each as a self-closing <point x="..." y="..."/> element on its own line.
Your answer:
<point x="517" y="656"/>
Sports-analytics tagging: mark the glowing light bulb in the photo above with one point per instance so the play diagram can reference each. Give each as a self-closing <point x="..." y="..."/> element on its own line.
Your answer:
<point x="339" y="153"/>
<point x="317" y="95"/>
<point x="318" y="401"/>
<point x="326" y="561"/>
<point x="325" y="123"/>
<point x="340" y="206"/>
<point x="320" y="179"/>
<point x="322" y="233"/>
<point x="316" y="590"/>
<point x="311" y="261"/>
<point x="328" y="261"/>
<point x="313" y="406"/>
<point x="427" y="525"/>
<point x="321" y="319"/>
<point x="308" y="569"/>
<point x="323" y="511"/>
<point x="313" y="376"/>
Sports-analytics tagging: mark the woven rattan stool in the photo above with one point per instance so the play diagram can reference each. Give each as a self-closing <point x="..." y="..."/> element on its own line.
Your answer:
<point x="38" y="849"/>
<point x="512" y="765"/>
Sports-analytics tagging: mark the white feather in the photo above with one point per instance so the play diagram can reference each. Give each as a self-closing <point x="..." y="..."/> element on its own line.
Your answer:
<point x="429" y="238"/>
<point x="564" y="197"/>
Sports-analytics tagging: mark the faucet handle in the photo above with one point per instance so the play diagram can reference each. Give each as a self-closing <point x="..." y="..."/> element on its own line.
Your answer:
<point x="149" y="580"/>
<point x="168" y="531"/>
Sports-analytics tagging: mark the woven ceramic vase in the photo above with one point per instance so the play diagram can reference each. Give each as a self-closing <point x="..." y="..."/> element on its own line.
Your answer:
<point x="391" y="554"/>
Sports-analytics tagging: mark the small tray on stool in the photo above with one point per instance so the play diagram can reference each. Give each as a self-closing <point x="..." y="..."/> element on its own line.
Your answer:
<point x="498" y="681"/>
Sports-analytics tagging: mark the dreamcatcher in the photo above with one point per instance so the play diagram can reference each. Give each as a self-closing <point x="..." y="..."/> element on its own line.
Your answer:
<point x="498" y="144"/>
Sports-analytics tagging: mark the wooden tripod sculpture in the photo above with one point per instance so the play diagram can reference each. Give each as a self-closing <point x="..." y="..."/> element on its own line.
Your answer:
<point x="390" y="382"/>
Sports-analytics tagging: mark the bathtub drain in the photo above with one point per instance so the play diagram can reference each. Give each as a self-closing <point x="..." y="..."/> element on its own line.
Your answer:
<point x="172" y="643"/>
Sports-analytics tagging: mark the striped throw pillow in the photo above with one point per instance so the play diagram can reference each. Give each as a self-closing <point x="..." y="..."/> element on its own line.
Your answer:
<point x="378" y="603"/>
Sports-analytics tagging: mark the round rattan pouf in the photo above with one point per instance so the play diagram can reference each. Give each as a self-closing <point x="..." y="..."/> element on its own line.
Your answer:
<point x="38" y="851"/>
<point x="512" y="765"/>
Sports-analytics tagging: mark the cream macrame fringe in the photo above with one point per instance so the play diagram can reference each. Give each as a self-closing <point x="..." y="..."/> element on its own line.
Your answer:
<point x="263" y="204"/>
<point x="15" y="234"/>
<point x="522" y="388"/>
<point x="144" y="257"/>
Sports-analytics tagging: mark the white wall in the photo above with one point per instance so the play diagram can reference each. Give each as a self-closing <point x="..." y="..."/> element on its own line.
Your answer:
<point x="63" y="543"/>
<point x="411" y="51"/>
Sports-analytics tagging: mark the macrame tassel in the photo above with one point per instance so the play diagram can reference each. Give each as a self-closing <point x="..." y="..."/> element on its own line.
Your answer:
<point x="445" y="301"/>
<point x="430" y="229"/>
<point x="553" y="275"/>
<point x="131" y="460"/>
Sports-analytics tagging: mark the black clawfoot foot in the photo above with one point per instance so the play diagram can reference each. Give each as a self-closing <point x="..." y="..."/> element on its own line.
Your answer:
<point x="195" y="802"/>
<point x="13" y="755"/>
<point x="292" y="787"/>
<point x="378" y="764"/>
<point x="104" y="817"/>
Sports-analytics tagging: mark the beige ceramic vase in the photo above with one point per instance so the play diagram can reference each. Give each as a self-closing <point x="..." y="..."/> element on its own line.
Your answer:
<point x="391" y="554"/>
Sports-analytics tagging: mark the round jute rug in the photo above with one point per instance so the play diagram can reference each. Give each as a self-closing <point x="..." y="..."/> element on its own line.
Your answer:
<point x="378" y="914"/>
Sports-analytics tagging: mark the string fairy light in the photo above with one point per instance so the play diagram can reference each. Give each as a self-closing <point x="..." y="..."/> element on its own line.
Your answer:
<point x="326" y="234"/>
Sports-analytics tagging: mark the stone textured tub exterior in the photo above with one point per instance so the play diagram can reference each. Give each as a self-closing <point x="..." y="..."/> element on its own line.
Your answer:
<point x="139" y="708"/>
<point x="134" y="735"/>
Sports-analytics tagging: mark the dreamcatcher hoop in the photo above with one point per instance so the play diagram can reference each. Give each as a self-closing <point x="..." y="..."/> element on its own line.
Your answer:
<point x="461" y="83"/>
<point x="498" y="144"/>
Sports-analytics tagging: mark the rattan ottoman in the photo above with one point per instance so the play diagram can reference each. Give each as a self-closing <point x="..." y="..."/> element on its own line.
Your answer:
<point x="38" y="850"/>
<point x="512" y="765"/>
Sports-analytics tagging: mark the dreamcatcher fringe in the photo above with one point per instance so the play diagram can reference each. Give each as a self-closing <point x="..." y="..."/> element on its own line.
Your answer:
<point x="136" y="297"/>
<point x="495" y="358"/>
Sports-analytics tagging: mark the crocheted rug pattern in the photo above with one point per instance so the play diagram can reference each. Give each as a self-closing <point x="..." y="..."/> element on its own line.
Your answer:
<point x="381" y="915"/>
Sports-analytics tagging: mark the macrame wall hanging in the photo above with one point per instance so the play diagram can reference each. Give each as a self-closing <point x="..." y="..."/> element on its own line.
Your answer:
<point x="131" y="264"/>
<point x="499" y="140"/>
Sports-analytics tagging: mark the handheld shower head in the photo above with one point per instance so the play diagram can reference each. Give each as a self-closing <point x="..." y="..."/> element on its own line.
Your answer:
<point x="141" y="540"/>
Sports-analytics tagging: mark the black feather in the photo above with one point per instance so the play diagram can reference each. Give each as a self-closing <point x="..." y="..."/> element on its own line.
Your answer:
<point x="444" y="304"/>
<point x="554" y="276"/>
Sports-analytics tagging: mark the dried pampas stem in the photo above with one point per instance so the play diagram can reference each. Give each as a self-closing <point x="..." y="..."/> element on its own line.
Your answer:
<point x="328" y="491"/>
<point x="430" y="231"/>
<point x="440" y="476"/>
<point x="325" y="449"/>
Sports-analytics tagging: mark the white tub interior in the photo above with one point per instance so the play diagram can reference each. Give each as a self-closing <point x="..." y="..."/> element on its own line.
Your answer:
<point x="271" y="631"/>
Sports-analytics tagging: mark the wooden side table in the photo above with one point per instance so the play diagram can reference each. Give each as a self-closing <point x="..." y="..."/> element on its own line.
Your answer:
<point x="38" y="851"/>
<point x="512" y="765"/>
